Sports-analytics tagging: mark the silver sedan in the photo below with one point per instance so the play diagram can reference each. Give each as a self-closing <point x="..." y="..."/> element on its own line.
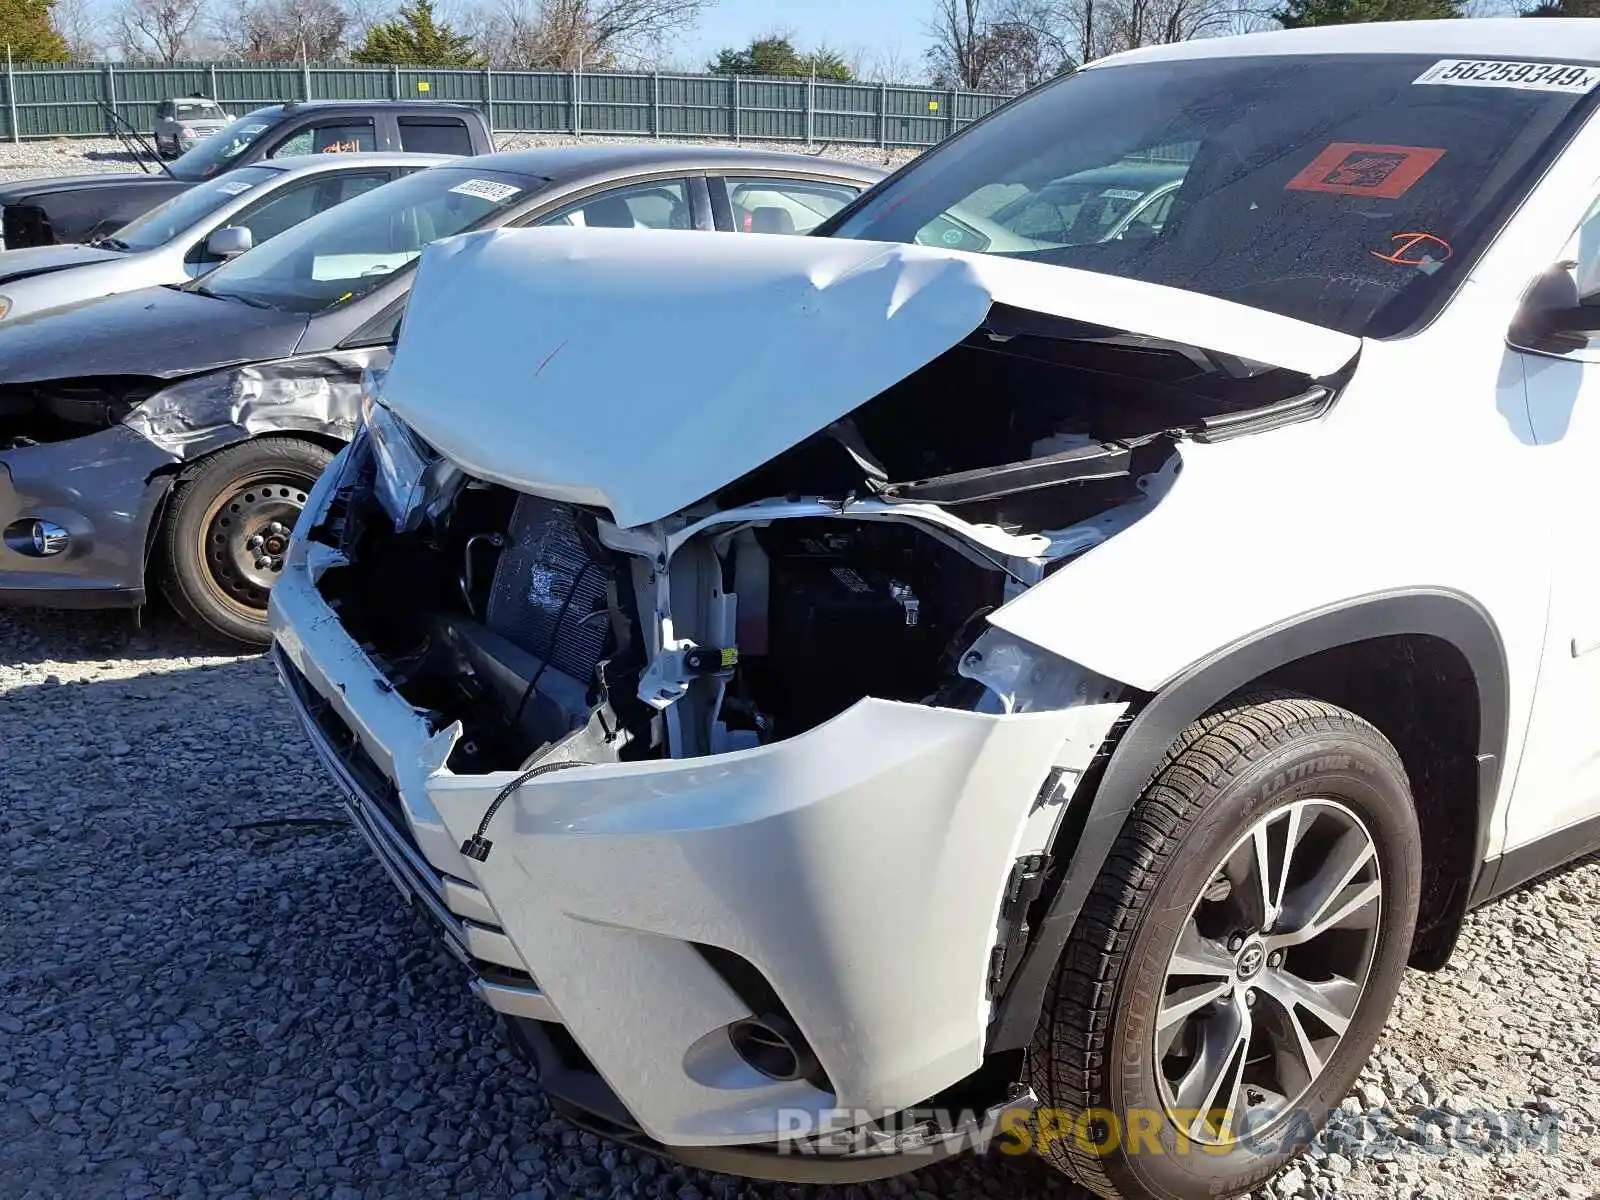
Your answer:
<point x="196" y="230"/>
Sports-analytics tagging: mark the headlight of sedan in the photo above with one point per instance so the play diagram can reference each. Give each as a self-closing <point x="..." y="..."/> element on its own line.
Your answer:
<point x="401" y="461"/>
<point x="412" y="481"/>
<point x="5" y="306"/>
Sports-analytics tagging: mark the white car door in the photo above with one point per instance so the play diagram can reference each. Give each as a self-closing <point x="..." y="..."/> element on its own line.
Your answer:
<point x="1558" y="784"/>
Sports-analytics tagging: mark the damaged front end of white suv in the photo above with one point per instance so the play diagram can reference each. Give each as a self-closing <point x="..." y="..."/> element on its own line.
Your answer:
<point x="657" y="627"/>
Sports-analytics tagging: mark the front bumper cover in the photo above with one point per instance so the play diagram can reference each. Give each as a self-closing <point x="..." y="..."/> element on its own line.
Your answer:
<point x="859" y="867"/>
<point x="105" y="488"/>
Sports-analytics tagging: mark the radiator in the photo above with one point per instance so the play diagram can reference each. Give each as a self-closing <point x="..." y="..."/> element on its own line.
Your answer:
<point x="549" y="594"/>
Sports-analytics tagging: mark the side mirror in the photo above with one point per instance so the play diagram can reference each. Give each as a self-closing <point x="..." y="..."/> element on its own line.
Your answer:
<point x="1554" y="316"/>
<point x="229" y="242"/>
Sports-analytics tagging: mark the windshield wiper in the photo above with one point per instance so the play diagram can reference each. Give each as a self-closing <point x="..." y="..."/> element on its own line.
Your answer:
<point x="133" y="141"/>
<point x="111" y="243"/>
<point x="253" y="303"/>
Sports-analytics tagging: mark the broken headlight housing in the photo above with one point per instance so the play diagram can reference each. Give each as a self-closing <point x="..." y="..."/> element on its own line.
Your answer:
<point x="411" y="480"/>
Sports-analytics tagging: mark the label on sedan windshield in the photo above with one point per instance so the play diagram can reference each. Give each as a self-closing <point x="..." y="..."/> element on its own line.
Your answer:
<point x="235" y="188"/>
<point x="486" y="189"/>
<point x="1499" y="73"/>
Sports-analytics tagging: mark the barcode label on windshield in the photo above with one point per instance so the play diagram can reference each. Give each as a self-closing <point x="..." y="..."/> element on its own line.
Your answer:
<point x="1526" y="76"/>
<point x="486" y="189"/>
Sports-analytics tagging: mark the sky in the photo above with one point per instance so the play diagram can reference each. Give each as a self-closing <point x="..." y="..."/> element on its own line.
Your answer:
<point x="874" y="35"/>
<point x="876" y="29"/>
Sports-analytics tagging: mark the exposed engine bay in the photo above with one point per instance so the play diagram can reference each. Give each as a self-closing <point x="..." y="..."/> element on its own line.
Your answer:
<point x="39" y="413"/>
<point x="861" y="562"/>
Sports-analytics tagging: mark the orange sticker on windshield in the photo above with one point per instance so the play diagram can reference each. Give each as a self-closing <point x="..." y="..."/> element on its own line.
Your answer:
<point x="1354" y="169"/>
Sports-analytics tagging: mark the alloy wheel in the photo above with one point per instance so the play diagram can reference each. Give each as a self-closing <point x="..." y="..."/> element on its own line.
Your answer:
<point x="1269" y="970"/>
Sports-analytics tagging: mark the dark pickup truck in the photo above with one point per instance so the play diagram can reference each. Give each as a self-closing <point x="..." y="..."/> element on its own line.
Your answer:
<point x="37" y="212"/>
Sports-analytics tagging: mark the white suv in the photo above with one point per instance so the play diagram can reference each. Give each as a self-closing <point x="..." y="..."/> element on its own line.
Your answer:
<point x="939" y="666"/>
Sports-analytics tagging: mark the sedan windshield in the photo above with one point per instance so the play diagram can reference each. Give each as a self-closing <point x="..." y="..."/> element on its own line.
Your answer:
<point x="217" y="152"/>
<point x="1349" y="191"/>
<point x="166" y="221"/>
<point x="198" y="110"/>
<point x="348" y="251"/>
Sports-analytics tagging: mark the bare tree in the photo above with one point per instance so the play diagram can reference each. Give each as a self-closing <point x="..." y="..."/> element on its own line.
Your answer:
<point x="82" y="26"/>
<point x="1128" y="24"/>
<point x="1010" y="45"/>
<point x="997" y="45"/>
<point x="957" y="32"/>
<point x="280" y="30"/>
<point x="565" y="34"/>
<point x="162" y="31"/>
<point x="891" y="64"/>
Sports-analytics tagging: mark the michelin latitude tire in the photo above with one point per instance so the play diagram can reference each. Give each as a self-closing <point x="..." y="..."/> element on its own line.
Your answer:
<point x="1179" y="875"/>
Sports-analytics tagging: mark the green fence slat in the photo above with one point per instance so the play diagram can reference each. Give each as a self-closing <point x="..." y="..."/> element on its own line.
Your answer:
<point x="63" y="100"/>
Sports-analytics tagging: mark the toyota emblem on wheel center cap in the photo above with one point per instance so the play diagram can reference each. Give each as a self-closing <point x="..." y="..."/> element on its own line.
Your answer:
<point x="1251" y="959"/>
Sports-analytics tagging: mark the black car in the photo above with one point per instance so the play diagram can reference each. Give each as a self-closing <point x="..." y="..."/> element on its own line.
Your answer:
<point x="76" y="208"/>
<point x="175" y="431"/>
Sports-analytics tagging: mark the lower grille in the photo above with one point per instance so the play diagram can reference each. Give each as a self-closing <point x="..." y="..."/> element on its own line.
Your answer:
<point x="375" y="809"/>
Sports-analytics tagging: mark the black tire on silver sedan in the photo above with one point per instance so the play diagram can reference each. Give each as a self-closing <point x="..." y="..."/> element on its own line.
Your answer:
<point x="1237" y="957"/>
<point x="227" y="531"/>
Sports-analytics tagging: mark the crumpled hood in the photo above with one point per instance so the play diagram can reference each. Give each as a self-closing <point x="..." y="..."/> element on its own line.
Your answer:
<point x="160" y="332"/>
<point x="41" y="260"/>
<point x="641" y="372"/>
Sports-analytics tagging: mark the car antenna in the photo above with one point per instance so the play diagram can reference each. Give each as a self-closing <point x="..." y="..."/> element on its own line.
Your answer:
<point x="133" y="141"/>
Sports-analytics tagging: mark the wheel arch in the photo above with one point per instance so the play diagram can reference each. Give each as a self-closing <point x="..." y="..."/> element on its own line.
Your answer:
<point x="169" y="476"/>
<point x="1461" y="646"/>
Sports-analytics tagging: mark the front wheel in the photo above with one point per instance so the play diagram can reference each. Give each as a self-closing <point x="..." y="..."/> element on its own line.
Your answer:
<point x="1237" y="957"/>
<point x="227" y="531"/>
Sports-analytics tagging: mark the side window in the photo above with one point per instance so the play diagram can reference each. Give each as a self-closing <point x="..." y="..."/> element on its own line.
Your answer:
<point x="1147" y="221"/>
<point x="660" y="205"/>
<point x="289" y="206"/>
<point x="420" y="135"/>
<point x="785" y="205"/>
<point x="381" y="330"/>
<point x="348" y="187"/>
<point x="348" y="138"/>
<point x="1584" y="250"/>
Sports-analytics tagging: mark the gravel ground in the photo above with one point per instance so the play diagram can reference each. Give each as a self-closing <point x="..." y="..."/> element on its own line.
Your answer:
<point x="79" y="156"/>
<point x="196" y="1001"/>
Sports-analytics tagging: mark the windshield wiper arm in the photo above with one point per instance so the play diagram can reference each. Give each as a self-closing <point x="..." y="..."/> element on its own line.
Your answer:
<point x="253" y="303"/>
<point x="111" y="243"/>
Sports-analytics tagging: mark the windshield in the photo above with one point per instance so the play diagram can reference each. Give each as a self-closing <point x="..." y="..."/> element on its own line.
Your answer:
<point x="213" y="155"/>
<point x="348" y="251"/>
<point x="1348" y="191"/>
<point x="166" y="221"/>
<point x="197" y="110"/>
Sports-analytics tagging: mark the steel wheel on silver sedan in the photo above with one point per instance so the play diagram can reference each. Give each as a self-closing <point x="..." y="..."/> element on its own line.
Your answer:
<point x="227" y="531"/>
<point x="1237" y="956"/>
